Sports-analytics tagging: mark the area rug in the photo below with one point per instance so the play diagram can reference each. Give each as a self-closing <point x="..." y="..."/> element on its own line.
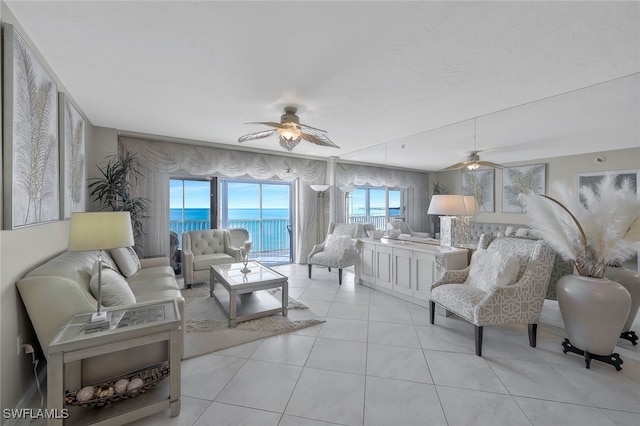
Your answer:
<point x="208" y="326"/>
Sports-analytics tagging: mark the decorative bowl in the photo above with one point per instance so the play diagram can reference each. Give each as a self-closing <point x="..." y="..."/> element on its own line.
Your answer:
<point x="393" y="233"/>
<point x="376" y="234"/>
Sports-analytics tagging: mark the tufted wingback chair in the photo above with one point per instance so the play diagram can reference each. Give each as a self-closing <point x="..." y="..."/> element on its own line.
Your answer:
<point x="516" y="303"/>
<point x="201" y="249"/>
<point x="334" y="251"/>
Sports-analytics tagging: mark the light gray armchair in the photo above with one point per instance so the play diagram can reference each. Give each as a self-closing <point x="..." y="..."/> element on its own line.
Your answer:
<point x="338" y="250"/>
<point x="201" y="249"/>
<point x="505" y="283"/>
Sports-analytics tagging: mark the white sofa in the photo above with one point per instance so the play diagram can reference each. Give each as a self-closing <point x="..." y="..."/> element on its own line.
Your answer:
<point x="59" y="289"/>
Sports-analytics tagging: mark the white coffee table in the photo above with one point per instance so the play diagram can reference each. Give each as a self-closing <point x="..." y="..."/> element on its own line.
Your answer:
<point x="247" y="298"/>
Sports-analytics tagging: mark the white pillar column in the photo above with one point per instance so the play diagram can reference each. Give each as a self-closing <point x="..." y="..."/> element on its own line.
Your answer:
<point x="333" y="191"/>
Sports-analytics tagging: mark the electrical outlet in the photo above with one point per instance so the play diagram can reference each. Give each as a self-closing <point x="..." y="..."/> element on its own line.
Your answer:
<point x="19" y="345"/>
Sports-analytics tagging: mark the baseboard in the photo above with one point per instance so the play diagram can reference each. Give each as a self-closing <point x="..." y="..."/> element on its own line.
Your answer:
<point x="31" y="392"/>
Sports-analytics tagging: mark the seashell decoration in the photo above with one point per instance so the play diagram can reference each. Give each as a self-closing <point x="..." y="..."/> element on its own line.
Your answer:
<point x="135" y="384"/>
<point x="121" y="386"/>
<point x="104" y="391"/>
<point x="85" y="394"/>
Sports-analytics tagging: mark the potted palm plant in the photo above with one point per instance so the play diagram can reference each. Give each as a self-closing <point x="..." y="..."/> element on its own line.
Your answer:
<point x="602" y="229"/>
<point x="114" y="190"/>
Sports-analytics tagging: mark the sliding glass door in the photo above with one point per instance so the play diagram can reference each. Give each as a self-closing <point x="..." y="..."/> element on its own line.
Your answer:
<point x="264" y="208"/>
<point x="192" y="205"/>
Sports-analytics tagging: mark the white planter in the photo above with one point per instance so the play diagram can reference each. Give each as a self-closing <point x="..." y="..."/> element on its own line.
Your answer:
<point x="630" y="280"/>
<point x="594" y="311"/>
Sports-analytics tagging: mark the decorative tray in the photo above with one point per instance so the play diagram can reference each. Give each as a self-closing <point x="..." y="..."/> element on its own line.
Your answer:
<point x="105" y="394"/>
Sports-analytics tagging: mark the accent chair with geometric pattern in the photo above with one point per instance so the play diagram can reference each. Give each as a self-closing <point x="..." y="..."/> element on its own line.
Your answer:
<point x="505" y="283"/>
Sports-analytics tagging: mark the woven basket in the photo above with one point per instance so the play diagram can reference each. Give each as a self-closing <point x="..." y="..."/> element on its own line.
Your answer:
<point x="150" y="377"/>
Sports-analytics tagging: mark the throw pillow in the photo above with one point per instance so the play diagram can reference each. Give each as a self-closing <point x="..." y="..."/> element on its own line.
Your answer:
<point x="490" y="268"/>
<point x="127" y="260"/>
<point x="522" y="232"/>
<point x="509" y="231"/>
<point x="115" y="289"/>
<point x="337" y="243"/>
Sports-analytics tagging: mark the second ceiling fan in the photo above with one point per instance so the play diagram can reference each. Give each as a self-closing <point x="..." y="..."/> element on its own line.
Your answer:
<point x="473" y="162"/>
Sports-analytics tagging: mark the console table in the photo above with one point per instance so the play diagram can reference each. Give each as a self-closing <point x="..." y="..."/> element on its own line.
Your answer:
<point x="132" y="326"/>
<point x="406" y="269"/>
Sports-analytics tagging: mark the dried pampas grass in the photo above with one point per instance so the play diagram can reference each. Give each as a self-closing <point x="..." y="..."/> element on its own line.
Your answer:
<point x="603" y="230"/>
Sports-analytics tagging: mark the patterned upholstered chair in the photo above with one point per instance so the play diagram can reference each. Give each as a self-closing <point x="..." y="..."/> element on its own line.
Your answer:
<point x="505" y="283"/>
<point x="338" y="250"/>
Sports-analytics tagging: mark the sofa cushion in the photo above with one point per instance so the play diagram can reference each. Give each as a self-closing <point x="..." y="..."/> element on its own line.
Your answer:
<point x="204" y="261"/>
<point x="490" y="268"/>
<point x="127" y="260"/>
<point x="151" y="284"/>
<point x="115" y="289"/>
<point x="152" y="273"/>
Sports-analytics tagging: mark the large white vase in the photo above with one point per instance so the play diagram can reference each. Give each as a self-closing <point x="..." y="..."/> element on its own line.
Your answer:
<point x="594" y="311"/>
<point x="630" y="280"/>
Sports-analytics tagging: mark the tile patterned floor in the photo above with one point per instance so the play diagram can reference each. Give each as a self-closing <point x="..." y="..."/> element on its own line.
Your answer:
<point x="378" y="361"/>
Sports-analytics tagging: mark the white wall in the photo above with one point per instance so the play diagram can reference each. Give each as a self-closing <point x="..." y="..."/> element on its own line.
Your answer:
<point x="20" y="251"/>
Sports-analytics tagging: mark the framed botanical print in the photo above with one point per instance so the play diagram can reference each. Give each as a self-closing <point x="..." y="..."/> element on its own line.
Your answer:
<point x="592" y="179"/>
<point x="519" y="180"/>
<point x="480" y="184"/>
<point x="31" y="184"/>
<point x="72" y="158"/>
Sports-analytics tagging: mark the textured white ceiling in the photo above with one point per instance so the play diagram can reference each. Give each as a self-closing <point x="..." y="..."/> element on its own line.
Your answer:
<point x="376" y="75"/>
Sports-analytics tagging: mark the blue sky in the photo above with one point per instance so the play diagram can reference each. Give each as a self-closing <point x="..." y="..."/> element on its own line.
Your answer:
<point x="241" y="195"/>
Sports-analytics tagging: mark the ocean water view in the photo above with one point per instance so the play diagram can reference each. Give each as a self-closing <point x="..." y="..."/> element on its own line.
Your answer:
<point x="203" y="214"/>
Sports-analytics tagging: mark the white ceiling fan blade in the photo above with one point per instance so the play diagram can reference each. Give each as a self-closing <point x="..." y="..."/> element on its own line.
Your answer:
<point x="459" y="165"/>
<point x="254" y="136"/>
<point x="321" y="140"/>
<point x="490" y="164"/>
<point x="310" y="129"/>
<point x="269" y="123"/>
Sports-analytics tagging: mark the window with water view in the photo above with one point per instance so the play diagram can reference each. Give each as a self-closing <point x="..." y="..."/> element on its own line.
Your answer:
<point x="376" y="205"/>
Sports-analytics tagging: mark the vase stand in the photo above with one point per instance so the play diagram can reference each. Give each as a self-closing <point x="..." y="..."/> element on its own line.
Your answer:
<point x="630" y="336"/>
<point x="613" y="359"/>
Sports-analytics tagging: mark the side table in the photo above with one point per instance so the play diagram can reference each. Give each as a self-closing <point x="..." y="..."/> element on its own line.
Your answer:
<point x="131" y="326"/>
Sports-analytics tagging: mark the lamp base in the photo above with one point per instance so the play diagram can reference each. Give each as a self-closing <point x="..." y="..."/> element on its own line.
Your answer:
<point x="99" y="320"/>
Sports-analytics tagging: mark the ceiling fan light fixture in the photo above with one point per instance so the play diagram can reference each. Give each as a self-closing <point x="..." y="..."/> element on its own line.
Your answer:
<point x="289" y="134"/>
<point x="473" y="166"/>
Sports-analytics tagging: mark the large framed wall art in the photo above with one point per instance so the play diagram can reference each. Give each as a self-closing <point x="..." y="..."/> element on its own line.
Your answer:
<point x="519" y="180"/>
<point x="592" y="179"/>
<point x="480" y="183"/>
<point x="31" y="173"/>
<point x="72" y="158"/>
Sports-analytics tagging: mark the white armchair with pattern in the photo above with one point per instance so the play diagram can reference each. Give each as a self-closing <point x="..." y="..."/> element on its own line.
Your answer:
<point x="504" y="284"/>
<point x="338" y="250"/>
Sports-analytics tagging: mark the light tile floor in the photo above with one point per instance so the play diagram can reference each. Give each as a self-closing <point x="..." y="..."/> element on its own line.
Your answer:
<point x="378" y="361"/>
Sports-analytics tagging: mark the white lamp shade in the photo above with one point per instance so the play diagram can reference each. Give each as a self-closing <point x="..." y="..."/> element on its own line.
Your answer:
<point x="319" y="188"/>
<point x="451" y="205"/>
<point x="470" y="205"/>
<point x="100" y="231"/>
<point x="347" y="189"/>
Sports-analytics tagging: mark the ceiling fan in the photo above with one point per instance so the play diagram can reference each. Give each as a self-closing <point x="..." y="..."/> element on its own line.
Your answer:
<point x="291" y="131"/>
<point x="473" y="162"/>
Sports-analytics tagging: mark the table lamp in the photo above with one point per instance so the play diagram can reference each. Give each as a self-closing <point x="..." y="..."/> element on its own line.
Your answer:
<point x="100" y="231"/>
<point x="448" y="207"/>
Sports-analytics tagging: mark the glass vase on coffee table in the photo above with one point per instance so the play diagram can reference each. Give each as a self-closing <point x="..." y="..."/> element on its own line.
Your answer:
<point x="244" y="251"/>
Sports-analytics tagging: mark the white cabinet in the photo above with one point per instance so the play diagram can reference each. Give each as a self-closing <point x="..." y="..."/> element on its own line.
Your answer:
<point x="405" y="269"/>
<point x="403" y="273"/>
<point x="383" y="266"/>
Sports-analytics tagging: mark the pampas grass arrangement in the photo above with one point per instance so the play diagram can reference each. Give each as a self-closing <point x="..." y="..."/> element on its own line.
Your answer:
<point x="602" y="229"/>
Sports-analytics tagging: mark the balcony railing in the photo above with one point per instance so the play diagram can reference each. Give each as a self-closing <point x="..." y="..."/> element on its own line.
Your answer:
<point x="271" y="237"/>
<point x="379" y="221"/>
